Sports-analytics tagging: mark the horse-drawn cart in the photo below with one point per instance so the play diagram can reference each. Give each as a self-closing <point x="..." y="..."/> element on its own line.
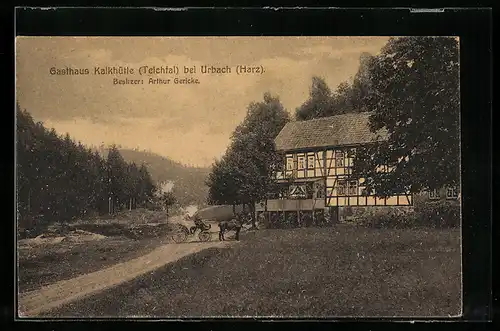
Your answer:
<point x="225" y="216"/>
<point x="182" y="232"/>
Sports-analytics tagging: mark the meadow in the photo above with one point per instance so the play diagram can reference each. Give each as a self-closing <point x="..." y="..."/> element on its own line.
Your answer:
<point x="343" y="271"/>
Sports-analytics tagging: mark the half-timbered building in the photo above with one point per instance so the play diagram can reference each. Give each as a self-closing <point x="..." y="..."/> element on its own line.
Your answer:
<point x="316" y="175"/>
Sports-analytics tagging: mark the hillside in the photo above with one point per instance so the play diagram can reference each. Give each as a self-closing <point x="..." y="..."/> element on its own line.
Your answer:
<point x="189" y="182"/>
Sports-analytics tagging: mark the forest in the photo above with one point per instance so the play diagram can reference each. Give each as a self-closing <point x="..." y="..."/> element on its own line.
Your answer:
<point x="59" y="179"/>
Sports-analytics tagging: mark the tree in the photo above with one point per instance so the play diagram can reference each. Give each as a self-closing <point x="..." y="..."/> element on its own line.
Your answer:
<point x="24" y="170"/>
<point x="221" y="182"/>
<point x="342" y="100"/>
<point x="59" y="180"/>
<point x="164" y="196"/>
<point x="146" y="186"/>
<point x="133" y="184"/>
<point x="414" y="96"/>
<point x="245" y="173"/>
<point x="347" y="97"/>
<point x="319" y="103"/>
<point x="361" y="85"/>
<point x="116" y="178"/>
<point x="168" y="199"/>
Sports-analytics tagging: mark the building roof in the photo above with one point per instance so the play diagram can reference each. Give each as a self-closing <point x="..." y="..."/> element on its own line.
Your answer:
<point x="339" y="130"/>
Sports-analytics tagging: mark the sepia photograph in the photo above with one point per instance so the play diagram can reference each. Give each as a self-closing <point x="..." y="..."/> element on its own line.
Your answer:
<point x="216" y="177"/>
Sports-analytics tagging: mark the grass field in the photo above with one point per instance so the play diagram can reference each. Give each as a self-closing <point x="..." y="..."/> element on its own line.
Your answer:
<point x="340" y="271"/>
<point x="46" y="264"/>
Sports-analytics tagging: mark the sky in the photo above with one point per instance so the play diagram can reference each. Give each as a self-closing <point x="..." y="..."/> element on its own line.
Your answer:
<point x="189" y="123"/>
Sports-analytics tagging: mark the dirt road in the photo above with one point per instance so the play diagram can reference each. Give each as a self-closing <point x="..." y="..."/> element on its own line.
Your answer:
<point x="54" y="295"/>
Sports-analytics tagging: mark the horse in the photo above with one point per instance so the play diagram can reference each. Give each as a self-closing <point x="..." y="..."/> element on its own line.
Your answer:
<point x="232" y="225"/>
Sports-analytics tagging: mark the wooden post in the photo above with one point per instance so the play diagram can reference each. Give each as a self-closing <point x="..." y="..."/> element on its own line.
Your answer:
<point x="267" y="213"/>
<point x="314" y="197"/>
<point x="299" y="223"/>
<point x="109" y="205"/>
<point x="29" y="200"/>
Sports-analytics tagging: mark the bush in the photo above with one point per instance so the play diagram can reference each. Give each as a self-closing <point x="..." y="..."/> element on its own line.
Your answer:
<point x="291" y="220"/>
<point x="277" y="220"/>
<point x="439" y="214"/>
<point x="263" y="220"/>
<point x="306" y="218"/>
<point x="322" y="218"/>
<point x="386" y="217"/>
<point x="274" y="220"/>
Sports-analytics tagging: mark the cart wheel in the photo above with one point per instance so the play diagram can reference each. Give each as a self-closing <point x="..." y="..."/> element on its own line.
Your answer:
<point x="179" y="236"/>
<point x="205" y="236"/>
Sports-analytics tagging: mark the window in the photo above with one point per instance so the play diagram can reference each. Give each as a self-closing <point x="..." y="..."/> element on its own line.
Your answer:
<point x="289" y="163"/>
<point x="339" y="159"/>
<point x="341" y="186"/>
<point x="301" y="162"/>
<point x="353" y="187"/>
<point x="451" y="193"/>
<point x="434" y="194"/>
<point x="310" y="162"/>
<point x="297" y="191"/>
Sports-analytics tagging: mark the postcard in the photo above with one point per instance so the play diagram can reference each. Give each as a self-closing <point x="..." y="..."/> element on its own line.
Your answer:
<point x="262" y="177"/>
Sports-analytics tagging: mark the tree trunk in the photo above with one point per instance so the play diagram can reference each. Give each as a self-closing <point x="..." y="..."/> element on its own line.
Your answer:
<point x="314" y="206"/>
<point x="267" y="214"/>
<point x="252" y="211"/>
